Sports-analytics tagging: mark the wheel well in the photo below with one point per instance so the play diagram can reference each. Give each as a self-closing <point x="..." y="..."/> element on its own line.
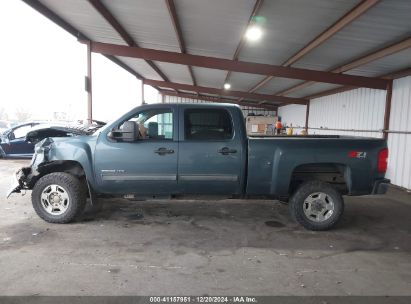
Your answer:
<point x="68" y="166"/>
<point x="334" y="174"/>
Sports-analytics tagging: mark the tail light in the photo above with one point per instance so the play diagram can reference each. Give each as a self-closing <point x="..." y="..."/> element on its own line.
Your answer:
<point x="382" y="160"/>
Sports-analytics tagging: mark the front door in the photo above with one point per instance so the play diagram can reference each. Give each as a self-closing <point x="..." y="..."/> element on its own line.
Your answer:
<point x="146" y="166"/>
<point x="16" y="146"/>
<point x="211" y="155"/>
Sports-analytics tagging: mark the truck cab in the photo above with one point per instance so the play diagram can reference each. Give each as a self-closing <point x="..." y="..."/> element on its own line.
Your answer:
<point x="180" y="149"/>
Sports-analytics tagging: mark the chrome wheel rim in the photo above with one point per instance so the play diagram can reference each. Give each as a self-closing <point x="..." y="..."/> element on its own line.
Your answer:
<point x="318" y="207"/>
<point x="55" y="199"/>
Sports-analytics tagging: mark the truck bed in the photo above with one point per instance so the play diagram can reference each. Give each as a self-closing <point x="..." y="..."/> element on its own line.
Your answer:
<point x="274" y="162"/>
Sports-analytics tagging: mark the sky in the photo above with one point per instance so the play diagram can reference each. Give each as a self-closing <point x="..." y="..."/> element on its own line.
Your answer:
<point x="42" y="70"/>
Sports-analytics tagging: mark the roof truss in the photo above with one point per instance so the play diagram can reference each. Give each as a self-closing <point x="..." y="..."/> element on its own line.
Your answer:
<point x="221" y="92"/>
<point x="383" y="52"/>
<point x="218" y="99"/>
<point x="237" y="66"/>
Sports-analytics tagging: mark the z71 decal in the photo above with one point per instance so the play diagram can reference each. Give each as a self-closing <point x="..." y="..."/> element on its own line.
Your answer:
<point x="357" y="154"/>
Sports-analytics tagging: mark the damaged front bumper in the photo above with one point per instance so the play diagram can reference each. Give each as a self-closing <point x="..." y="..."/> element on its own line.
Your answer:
<point x="17" y="183"/>
<point x="26" y="176"/>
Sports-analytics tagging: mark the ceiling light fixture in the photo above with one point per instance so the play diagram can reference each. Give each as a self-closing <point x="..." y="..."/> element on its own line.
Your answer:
<point x="253" y="33"/>
<point x="227" y="86"/>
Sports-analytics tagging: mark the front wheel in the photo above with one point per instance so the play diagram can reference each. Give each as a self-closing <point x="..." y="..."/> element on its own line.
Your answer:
<point x="317" y="205"/>
<point x="58" y="197"/>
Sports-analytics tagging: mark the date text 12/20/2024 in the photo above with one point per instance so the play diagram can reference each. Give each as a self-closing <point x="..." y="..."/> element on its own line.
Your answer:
<point x="203" y="299"/>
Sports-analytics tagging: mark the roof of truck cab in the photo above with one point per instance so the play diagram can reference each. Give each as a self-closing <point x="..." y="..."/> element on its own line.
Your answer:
<point x="206" y="104"/>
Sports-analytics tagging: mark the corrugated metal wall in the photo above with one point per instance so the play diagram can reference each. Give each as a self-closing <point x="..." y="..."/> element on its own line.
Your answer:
<point x="246" y="110"/>
<point x="363" y="109"/>
<point x="399" y="163"/>
<point x="293" y="114"/>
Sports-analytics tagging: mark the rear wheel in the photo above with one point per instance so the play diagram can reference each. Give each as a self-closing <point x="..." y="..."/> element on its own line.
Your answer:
<point x="58" y="197"/>
<point x="316" y="205"/>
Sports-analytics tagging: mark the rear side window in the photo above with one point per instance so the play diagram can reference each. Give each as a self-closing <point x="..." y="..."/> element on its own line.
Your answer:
<point x="207" y="124"/>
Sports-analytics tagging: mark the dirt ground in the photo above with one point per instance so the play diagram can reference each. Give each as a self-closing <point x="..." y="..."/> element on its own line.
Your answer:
<point x="226" y="247"/>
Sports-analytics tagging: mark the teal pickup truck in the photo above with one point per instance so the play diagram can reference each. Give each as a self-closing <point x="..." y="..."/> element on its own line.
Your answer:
<point x="201" y="150"/>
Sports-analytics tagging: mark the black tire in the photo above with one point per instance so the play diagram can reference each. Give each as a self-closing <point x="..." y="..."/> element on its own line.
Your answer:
<point x="76" y="193"/>
<point x="296" y="205"/>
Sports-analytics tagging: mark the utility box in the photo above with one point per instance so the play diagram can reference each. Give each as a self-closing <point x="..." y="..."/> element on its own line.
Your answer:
<point x="261" y="125"/>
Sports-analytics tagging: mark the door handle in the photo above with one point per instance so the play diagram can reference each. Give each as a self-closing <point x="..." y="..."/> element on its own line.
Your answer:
<point x="163" y="151"/>
<point x="226" y="151"/>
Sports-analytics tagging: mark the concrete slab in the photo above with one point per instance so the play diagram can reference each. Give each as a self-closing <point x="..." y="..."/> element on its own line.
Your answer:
<point x="226" y="247"/>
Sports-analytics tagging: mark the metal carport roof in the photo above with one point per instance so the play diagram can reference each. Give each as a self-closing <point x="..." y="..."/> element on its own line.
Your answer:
<point x="318" y="34"/>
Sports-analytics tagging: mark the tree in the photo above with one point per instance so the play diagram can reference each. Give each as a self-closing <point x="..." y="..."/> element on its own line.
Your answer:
<point x="3" y="114"/>
<point x="22" y="114"/>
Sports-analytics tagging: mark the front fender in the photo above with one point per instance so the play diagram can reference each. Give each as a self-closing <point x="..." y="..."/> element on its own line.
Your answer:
<point x="55" y="151"/>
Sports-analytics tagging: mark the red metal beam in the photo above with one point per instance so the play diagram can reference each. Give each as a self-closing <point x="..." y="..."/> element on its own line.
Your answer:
<point x="218" y="100"/>
<point x="383" y="52"/>
<point x="254" y="12"/>
<point x="307" y="114"/>
<point x="208" y="90"/>
<point x="89" y="87"/>
<point x="398" y="74"/>
<point x="177" y="28"/>
<point x="387" y="112"/>
<point x="108" y="16"/>
<point x="353" y="14"/>
<point x="238" y="66"/>
<point x="221" y="92"/>
<point x="393" y="75"/>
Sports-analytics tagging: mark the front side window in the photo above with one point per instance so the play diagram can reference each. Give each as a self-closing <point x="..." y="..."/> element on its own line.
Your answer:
<point x="21" y="132"/>
<point x="207" y="124"/>
<point x="154" y="124"/>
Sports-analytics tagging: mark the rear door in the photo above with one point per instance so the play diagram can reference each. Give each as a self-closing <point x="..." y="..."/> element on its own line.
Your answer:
<point x="211" y="151"/>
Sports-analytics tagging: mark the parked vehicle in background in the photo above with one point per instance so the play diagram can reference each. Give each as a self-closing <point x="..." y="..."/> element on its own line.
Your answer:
<point x="198" y="151"/>
<point x="13" y="142"/>
<point x="18" y="142"/>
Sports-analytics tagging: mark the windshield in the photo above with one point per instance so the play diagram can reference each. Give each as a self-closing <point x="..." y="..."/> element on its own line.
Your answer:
<point x="100" y="128"/>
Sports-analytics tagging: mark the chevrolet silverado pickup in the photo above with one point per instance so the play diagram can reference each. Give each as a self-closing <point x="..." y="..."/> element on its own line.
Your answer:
<point x="198" y="151"/>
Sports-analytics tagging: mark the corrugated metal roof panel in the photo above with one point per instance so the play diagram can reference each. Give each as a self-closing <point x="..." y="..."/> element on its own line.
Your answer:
<point x="213" y="27"/>
<point x="290" y="25"/>
<point x="385" y="65"/>
<point x="141" y="67"/>
<point x="84" y="18"/>
<point x="243" y="81"/>
<point x="209" y="77"/>
<point x="387" y="22"/>
<point x="147" y="22"/>
<point x="277" y="84"/>
<point x="313" y="89"/>
<point x="175" y="72"/>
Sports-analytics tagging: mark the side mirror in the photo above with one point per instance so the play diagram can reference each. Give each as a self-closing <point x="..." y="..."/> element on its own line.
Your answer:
<point x="128" y="132"/>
